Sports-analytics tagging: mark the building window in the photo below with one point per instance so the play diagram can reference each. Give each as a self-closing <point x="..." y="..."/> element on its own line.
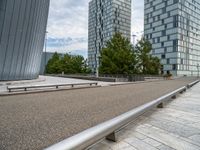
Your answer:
<point x="162" y="44"/>
<point x="175" y="1"/>
<point x="163" y="56"/>
<point x="154" y="41"/>
<point x="168" y="37"/>
<point x="175" y="42"/>
<point x="164" y="33"/>
<point x="150" y="36"/>
<point x="158" y="17"/>
<point x="165" y="50"/>
<point x="163" y="21"/>
<point x="164" y="10"/>
<point x="175" y="49"/>
<point x="158" y="40"/>
<point x="182" y="61"/>
<point x="169" y="14"/>
<point x="174" y="67"/>
<point x="168" y="61"/>
<point x="175" y="21"/>
<point x="162" y="69"/>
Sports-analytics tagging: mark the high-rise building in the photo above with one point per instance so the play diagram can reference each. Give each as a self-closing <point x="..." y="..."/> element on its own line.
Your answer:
<point x="172" y="26"/>
<point x="106" y="17"/>
<point x="22" y="33"/>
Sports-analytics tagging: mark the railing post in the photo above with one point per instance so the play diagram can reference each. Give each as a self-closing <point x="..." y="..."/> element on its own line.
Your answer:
<point x="174" y="97"/>
<point x="111" y="137"/>
<point x="181" y="92"/>
<point x="160" y="105"/>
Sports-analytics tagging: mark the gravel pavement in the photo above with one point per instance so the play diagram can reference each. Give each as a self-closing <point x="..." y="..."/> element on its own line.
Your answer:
<point x="35" y="121"/>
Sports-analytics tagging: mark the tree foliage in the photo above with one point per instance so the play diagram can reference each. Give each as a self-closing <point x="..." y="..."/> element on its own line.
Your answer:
<point x="53" y="65"/>
<point x="119" y="57"/>
<point x="146" y="63"/>
<point x="69" y="64"/>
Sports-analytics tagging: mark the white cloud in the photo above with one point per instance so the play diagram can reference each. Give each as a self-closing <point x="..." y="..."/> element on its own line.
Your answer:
<point x="68" y="19"/>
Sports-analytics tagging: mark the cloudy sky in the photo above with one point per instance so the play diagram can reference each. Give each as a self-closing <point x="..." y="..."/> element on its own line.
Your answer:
<point x="68" y="25"/>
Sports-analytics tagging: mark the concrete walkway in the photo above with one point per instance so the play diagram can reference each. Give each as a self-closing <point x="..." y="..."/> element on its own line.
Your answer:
<point x="50" y="80"/>
<point x="46" y="80"/>
<point x="175" y="127"/>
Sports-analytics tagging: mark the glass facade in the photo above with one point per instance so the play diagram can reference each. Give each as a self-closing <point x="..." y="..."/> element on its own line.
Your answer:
<point x="105" y="19"/>
<point x="172" y="26"/>
<point x="22" y="33"/>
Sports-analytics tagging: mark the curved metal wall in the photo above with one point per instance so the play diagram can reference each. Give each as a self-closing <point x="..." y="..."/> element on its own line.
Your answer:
<point x="22" y="33"/>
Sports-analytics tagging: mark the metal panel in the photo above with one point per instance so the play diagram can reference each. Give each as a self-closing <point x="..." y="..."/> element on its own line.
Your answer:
<point x="22" y="33"/>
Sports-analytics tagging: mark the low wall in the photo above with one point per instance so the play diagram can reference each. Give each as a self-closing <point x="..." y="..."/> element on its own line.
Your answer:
<point x="104" y="79"/>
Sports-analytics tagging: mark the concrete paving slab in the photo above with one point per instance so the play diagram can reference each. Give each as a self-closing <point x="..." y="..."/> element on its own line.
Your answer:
<point x="165" y="147"/>
<point x="139" y="144"/>
<point x="175" y="127"/>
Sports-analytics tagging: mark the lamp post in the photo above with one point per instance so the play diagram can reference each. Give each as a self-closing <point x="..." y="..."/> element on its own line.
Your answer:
<point x="97" y="67"/>
<point x="45" y="54"/>
<point x="198" y="69"/>
<point x="97" y="70"/>
<point x="134" y="38"/>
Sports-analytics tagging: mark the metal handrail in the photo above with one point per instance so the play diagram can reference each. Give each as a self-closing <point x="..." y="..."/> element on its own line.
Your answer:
<point x="192" y="84"/>
<point x="92" y="135"/>
<point x="9" y="88"/>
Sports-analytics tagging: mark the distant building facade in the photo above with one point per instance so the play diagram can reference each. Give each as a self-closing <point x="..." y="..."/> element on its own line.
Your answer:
<point x="106" y="17"/>
<point x="22" y="33"/>
<point x="173" y="28"/>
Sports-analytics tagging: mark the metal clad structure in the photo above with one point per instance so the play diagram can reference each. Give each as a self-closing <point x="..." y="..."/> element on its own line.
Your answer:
<point x="22" y="33"/>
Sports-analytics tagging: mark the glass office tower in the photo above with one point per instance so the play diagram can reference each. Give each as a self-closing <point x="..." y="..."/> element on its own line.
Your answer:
<point x="22" y="33"/>
<point x="172" y="26"/>
<point x="106" y="17"/>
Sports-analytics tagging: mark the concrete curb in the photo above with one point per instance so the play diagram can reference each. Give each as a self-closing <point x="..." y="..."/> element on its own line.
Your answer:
<point x="22" y="82"/>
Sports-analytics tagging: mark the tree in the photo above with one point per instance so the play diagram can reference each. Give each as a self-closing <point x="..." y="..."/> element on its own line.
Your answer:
<point x="53" y="65"/>
<point x="154" y="66"/>
<point x="86" y="68"/>
<point x="69" y="64"/>
<point x="147" y="64"/>
<point x="118" y="56"/>
<point x="78" y="63"/>
<point x="143" y="48"/>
